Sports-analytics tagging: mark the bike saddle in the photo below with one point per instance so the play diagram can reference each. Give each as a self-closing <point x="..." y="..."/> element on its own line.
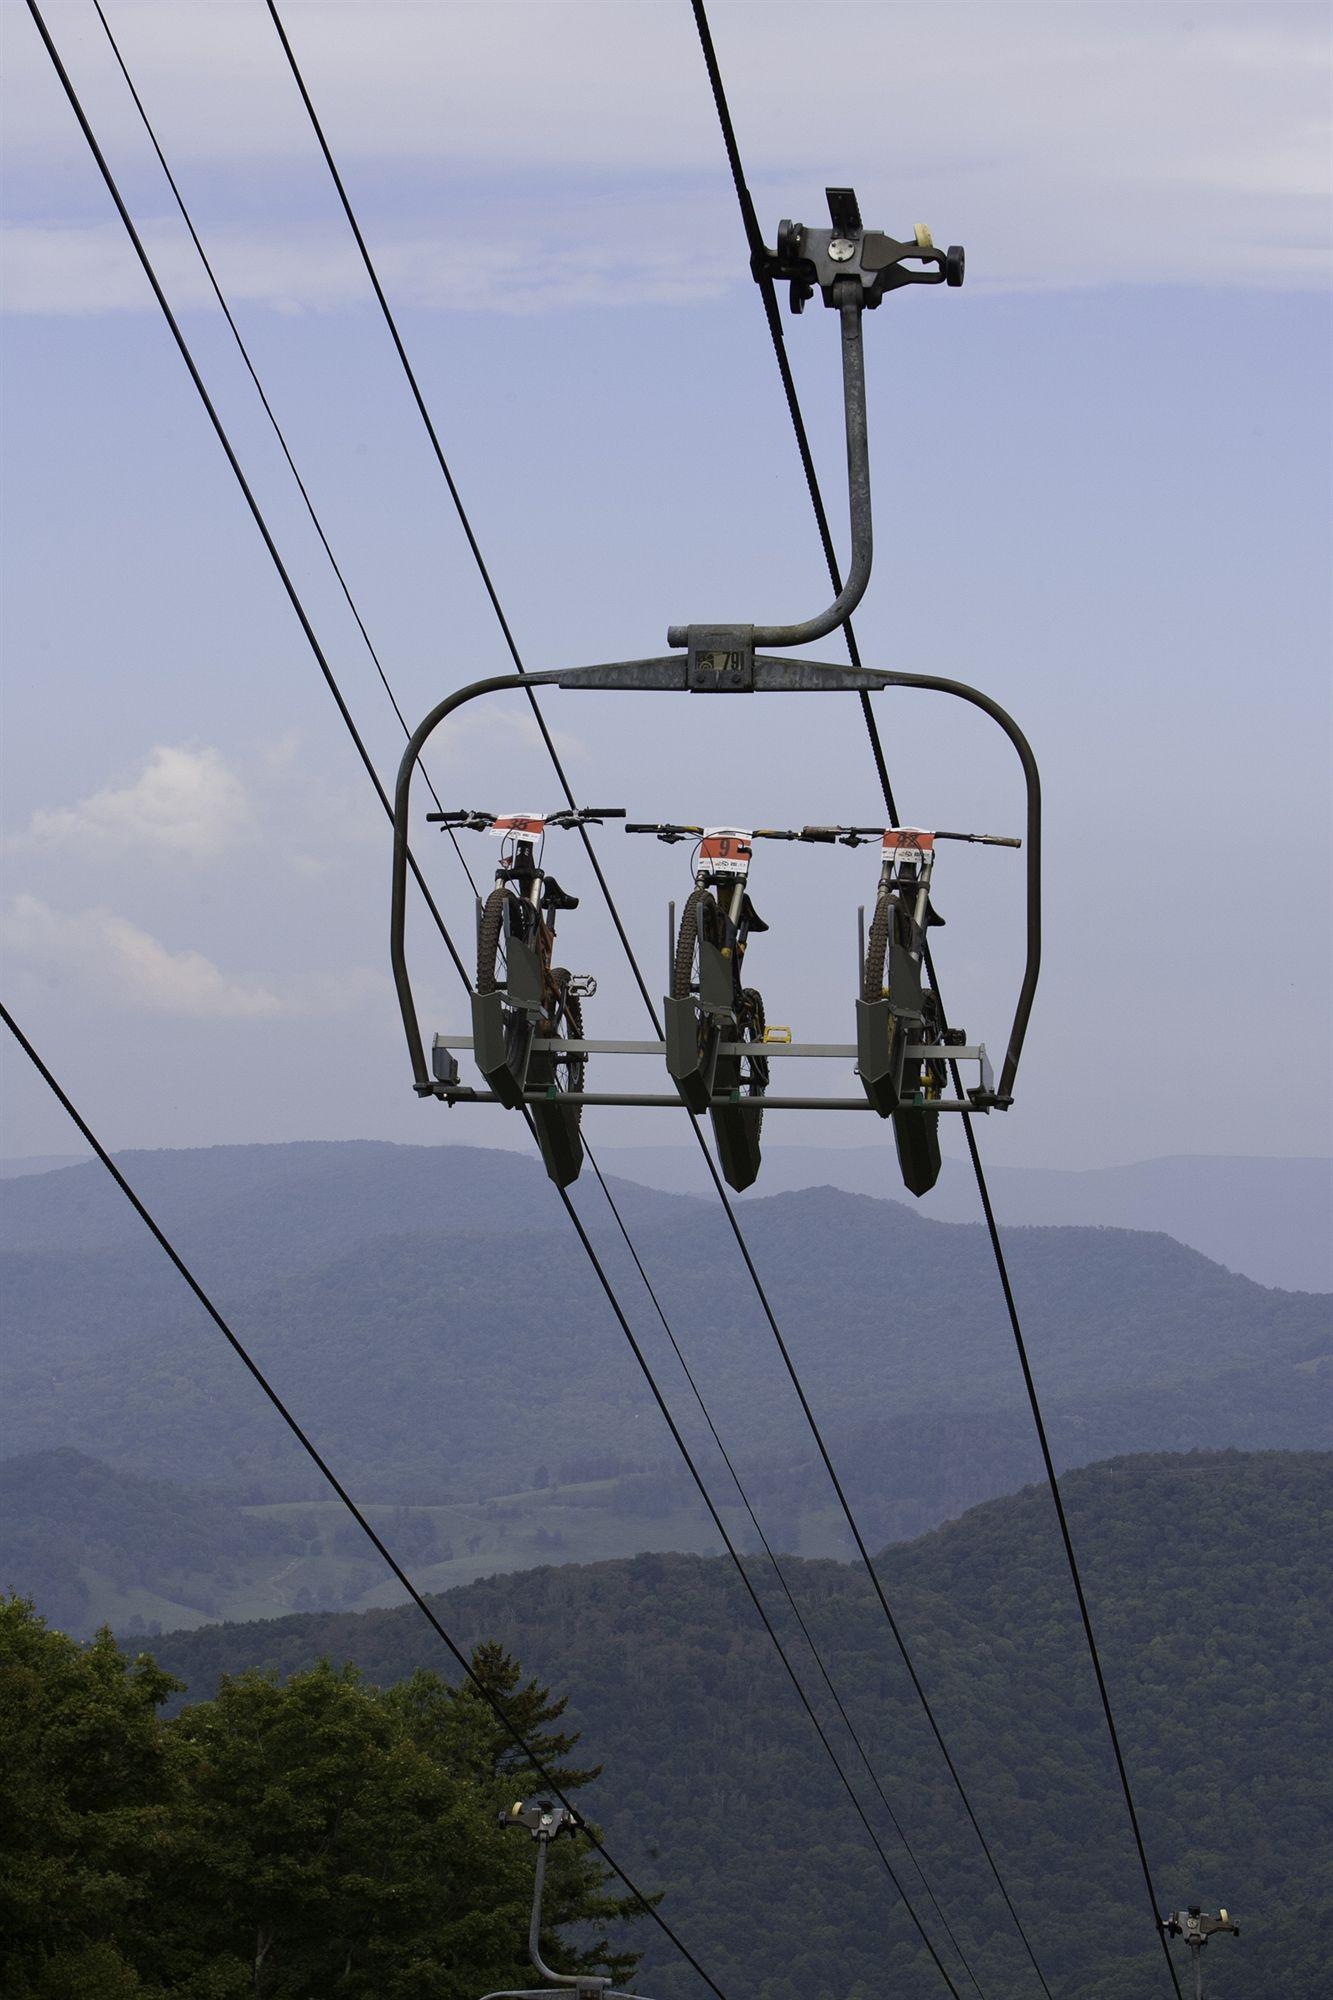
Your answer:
<point x="933" y="916"/>
<point x="752" y="916"/>
<point x="556" y="898"/>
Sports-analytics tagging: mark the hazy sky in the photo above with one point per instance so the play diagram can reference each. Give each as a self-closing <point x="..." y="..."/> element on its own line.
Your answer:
<point x="1101" y="480"/>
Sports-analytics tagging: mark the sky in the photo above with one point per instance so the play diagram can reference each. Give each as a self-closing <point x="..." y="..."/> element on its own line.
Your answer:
<point x="1101" y="494"/>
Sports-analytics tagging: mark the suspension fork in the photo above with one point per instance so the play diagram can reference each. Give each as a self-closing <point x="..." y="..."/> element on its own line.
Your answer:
<point x="922" y="903"/>
<point x="735" y="908"/>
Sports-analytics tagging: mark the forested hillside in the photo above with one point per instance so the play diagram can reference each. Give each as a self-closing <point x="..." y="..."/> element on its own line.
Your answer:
<point x="1211" y="1584"/>
<point x="376" y="1285"/>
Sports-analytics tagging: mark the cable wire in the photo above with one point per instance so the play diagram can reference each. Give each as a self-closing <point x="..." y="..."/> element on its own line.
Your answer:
<point x="326" y="1471"/>
<point x="284" y="577"/>
<point x="754" y="1596"/>
<point x="269" y="412"/>
<point x="419" y="399"/>
<point x="755" y="241"/>
<point x="344" y="711"/>
<point x="454" y="494"/>
<point x="780" y="1573"/>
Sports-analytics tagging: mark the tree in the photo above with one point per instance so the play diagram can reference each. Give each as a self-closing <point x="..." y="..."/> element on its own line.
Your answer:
<point x="314" y="1836"/>
<point x="530" y="1709"/>
<point x="89" y="1795"/>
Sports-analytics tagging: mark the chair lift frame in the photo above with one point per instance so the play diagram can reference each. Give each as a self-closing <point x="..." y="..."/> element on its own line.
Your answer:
<point x="854" y="269"/>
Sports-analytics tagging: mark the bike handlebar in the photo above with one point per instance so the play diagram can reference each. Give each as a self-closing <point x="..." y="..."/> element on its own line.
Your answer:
<point x="858" y="836"/>
<point x="478" y="822"/>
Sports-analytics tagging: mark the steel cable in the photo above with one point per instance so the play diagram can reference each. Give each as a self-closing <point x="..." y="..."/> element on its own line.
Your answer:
<point x="268" y="409"/>
<point x="512" y="647"/>
<point x="755" y="241"/>
<point x="326" y="670"/>
<point x="330" y="1476"/>
<point x="781" y="1575"/>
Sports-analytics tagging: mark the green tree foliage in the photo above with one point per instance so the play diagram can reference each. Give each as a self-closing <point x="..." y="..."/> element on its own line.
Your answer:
<point x="310" y="1838"/>
<point x="530" y="1710"/>
<point x="88" y="1789"/>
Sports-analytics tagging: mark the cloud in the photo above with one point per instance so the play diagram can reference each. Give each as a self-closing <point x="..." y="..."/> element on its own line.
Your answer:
<point x="523" y="155"/>
<point x="117" y="961"/>
<point x="115" y="958"/>
<point x="480" y="729"/>
<point x="184" y="801"/>
<point x="502" y="264"/>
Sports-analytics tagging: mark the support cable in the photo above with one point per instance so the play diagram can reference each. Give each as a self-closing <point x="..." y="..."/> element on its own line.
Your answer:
<point x="455" y="495"/>
<point x="867" y="1563"/>
<point x="269" y="412"/>
<point x="187" y="357"/>
<point x="780" y="1573"/>
<point x="326" y="1472"/>
<point x="754" y="1596"/>
<point x="413" y="384"/>
<point x="1085" y="1615"/>
<point x="755" y="241"/>
<point x="310" y="635"/>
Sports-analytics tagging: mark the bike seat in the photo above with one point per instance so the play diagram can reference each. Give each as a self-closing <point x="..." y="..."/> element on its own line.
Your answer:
<point x="752" y="916"/>
<point x="556" y="898"/>
<point x="933" y="916"/>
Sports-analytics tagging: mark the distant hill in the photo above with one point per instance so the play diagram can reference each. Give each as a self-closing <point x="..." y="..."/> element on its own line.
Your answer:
<point x="440" y="1371"/>
<point x="37" y="1163"/>
<point x="1211" y="1584"/>
<point x="1270" y="1220"/>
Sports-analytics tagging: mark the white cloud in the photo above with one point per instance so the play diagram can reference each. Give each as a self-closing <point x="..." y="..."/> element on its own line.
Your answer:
<point x="521" y="155"/>
<point x="184" y="801"/>
<point x="502" y="264"/>
<point x="113" y="957"/>
<point x="479" y="729"/>
<point x="115" y="960"/>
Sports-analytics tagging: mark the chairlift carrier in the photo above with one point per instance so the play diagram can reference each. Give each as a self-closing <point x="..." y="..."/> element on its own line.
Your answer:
<point x="853" y="269"/>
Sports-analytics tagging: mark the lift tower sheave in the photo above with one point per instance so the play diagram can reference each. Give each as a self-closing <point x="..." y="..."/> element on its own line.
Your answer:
<point x="854" y="270"/>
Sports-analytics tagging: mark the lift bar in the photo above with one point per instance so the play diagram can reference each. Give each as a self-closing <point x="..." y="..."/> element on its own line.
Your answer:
<point x="670" y="673"/>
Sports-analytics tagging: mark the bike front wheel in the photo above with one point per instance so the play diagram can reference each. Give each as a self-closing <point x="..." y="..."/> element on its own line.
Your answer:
<point x="700" y="923"/>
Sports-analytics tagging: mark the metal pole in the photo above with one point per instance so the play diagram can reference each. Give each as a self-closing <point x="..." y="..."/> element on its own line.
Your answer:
<point x="851" y="305"/>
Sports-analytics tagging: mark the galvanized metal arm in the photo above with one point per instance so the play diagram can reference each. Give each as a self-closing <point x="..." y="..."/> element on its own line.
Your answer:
<point x="588" y="1986"/>
<point x="736" y="670"/>
<point x="851" y="305"/>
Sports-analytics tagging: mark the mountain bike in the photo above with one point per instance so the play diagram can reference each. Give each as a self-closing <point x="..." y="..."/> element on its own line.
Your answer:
<point x="896" y="1009"/>
<point x="710" y="1004"/>
<point x="521" y="995"/>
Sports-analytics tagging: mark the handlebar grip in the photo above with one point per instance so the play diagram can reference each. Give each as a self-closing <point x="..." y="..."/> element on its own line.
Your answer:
<point x="601" y="812"/>
<point x="983" y="839"/>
